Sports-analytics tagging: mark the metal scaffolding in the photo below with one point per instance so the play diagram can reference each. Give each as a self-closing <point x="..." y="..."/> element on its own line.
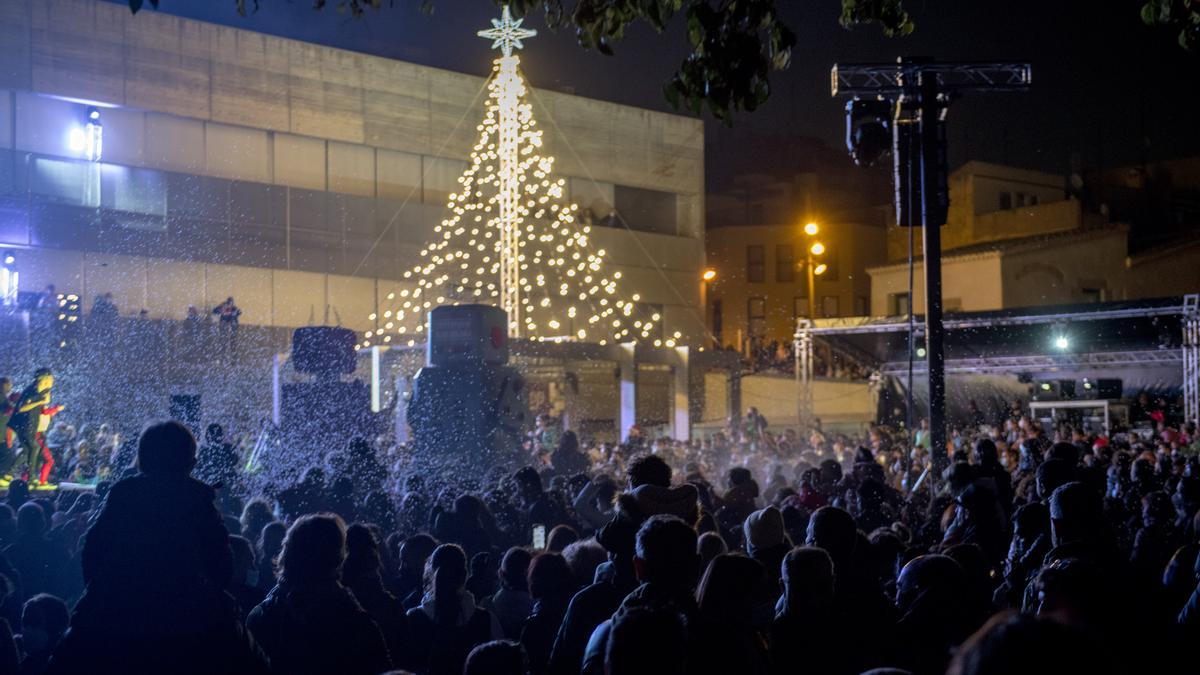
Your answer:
<point x="804" y="372"/>
<point x="1187" y="355"/>
<point x="1191" y="358"/>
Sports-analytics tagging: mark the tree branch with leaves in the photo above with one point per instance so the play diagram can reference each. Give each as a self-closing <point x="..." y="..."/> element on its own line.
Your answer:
<point x="735" y="45"/>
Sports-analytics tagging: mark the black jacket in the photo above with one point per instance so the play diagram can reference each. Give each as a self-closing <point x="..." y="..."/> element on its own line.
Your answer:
<point x="319" y="629"/>
<point x="155" y="562"/>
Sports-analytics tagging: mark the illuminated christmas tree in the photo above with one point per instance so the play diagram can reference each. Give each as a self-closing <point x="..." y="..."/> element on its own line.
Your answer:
<point x="511" y="238"/>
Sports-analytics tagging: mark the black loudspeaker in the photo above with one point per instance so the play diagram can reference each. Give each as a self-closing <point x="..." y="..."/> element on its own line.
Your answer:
<point x="323" y="350"/>
<point x="185" y="408"/>
<point x="1109" y="388"/>
<point x="467" y="334"/>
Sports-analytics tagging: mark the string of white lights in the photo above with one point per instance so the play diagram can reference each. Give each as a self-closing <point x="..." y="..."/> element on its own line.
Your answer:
<point x="511" y="238"/>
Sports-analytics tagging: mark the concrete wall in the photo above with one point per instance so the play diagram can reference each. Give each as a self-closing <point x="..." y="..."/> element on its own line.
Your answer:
<point x="975" y="215"/>
<point x="1160" y="273"/>
<point x="98" y="51"/>
<point x="1055" y="271"/>
<point x="837" y="403"/>
<point x="852" y="247"/>
<point x="969" y="283"/>
<point x="1055" y="275"/>
<point x="189" y="97"/>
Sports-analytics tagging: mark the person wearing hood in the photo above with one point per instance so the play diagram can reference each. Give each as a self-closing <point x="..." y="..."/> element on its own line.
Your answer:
<point x="310" y="622"/>
<point x="932" y="621"/>
<point x="667" y="565"/>
<point x="807" y="631"/>
<point x="649" y="494"/>
<point x="767" y="543"/>
<point x="448" y="624"/>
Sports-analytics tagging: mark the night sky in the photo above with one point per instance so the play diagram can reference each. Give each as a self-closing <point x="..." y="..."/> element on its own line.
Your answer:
<point x="1106" y="87"/>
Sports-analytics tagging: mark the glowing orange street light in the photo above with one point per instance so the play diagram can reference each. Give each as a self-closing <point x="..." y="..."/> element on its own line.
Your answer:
<point x="820" y="268"/>
<point x="811" y="229"/>
<point x="709" y="274"/>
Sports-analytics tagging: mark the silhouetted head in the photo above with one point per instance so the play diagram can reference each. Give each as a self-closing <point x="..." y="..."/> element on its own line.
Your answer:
<point x="666" y="552"/>
<point x="313" y="551"/>
<point x="31" y="521"/>
<point x="1051" y="474"/>
<point x="834" y="530"/>
<point x="514" y="568"/>
<point x="498" y="657"/>
<point x="166" y="448"/>
<point x="214" y="433"/>
<point x="445" y="578"/>
<point x="649" y="470"/>
<point x="550" y="576"/>
<point x="1008" y="641"/>
<point x="1075" y="512"/>
<point x="808" y="578"/>
<point x="934" y="579"/>
<point x="44" y="620"/>
<point x="726" y="591"/>
<point x="415" y="551"/>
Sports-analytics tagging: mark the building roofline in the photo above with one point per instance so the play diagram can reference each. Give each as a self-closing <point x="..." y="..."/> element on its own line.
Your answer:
<point x="1003" y="247"/>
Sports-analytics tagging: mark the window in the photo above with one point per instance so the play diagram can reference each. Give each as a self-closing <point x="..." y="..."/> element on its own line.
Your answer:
<point x="756" y="264"/>
<point x="133" y="190"/>
<point x="1020" y="199"/>
<point x="785" y="263"/>
<point x="799" y="307"/>
<point x="718" y="319"/>
<point x="829" y="306"/>
<point x="862" y="306"/>
<point x="74" y="183"/>
<point x="1033" y="200"/>
<point x="1006" y="201"/>
<point x="756" y="317"/>
<point x="645" y="210"/>
<point x="900" y="304"/>
<point x="1091" y="294"/>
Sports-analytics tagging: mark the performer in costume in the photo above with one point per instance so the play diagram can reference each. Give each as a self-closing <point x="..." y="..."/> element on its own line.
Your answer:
<point x="27" y="418"/>
<point x="8" y="405"/>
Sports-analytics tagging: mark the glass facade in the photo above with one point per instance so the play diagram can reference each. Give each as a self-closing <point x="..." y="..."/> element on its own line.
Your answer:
<point x="93" y="206"/>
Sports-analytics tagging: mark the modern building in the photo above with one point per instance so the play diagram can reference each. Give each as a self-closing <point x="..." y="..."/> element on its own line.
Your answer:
<point x="174" y="163"/>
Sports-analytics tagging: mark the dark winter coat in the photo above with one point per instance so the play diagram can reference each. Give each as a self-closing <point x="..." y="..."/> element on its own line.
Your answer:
<point x="318" y="629"/>
<point x="155" y="562"/>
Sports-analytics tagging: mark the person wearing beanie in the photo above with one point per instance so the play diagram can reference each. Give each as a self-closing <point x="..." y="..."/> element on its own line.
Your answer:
<point x="766" y="542"/>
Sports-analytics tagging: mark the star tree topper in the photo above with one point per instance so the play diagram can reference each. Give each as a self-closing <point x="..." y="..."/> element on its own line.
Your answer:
<point x="506" y="33"/>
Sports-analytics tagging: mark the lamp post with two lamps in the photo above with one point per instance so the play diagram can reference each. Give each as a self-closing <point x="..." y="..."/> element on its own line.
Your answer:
<point x="813" y="266"/>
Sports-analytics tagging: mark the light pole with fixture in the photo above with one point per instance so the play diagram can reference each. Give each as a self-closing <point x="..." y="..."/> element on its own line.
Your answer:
<point x="708" y="276"/>
<point x="812" y="266"/>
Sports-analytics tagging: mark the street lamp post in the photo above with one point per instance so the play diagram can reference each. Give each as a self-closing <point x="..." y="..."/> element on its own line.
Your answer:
<point x="812" y="267"/>
<point x="708" y="276"/>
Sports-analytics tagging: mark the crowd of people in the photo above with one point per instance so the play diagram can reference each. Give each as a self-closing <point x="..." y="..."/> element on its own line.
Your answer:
<point x="1032" y="550"/>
